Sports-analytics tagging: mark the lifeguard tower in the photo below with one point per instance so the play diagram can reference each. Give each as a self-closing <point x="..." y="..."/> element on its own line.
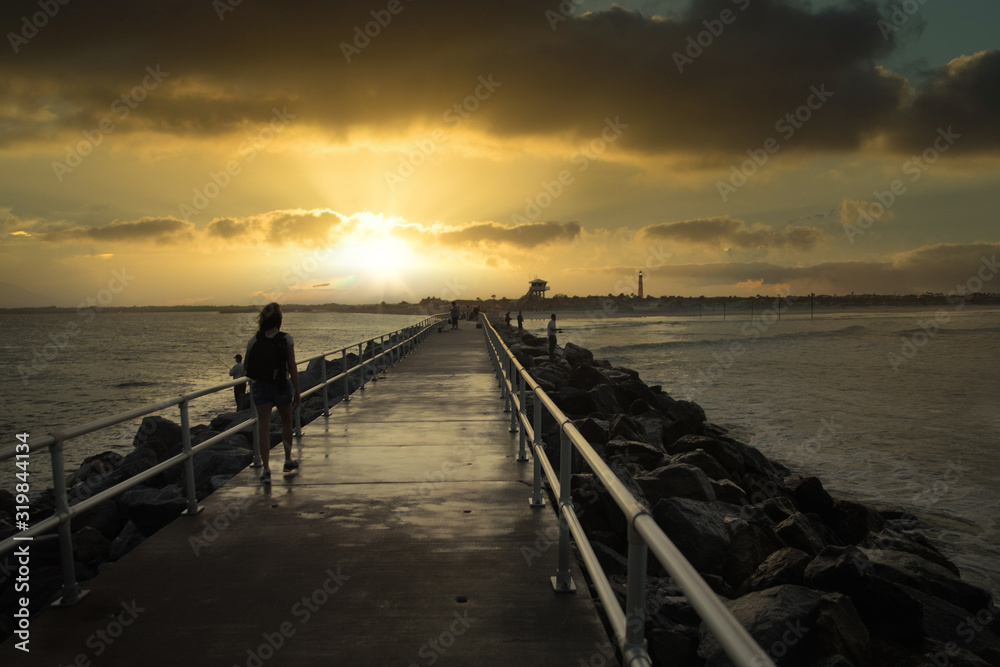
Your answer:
<point x="536" y="290"/>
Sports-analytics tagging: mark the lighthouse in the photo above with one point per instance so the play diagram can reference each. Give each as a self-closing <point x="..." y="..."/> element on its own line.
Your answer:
<point x="640" y="285"/>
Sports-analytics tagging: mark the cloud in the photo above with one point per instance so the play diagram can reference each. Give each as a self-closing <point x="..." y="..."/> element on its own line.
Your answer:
<point x="227" y="76"/>
<point x="728" y="233"/>
<point x="933" y="268"/>
<point x="526" y="235"/>
<point x="145" y="230"/>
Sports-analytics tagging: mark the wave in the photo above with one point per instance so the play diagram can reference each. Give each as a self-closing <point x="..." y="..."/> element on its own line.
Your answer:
<point x="126" y="385"/>
<point x="947" y="332"/>
<point x="854" y="330"/>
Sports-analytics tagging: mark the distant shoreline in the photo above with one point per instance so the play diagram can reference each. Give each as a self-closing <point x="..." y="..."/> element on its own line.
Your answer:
<point x="605" y="306"/>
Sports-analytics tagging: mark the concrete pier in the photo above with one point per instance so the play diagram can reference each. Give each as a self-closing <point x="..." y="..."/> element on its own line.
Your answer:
<point x="405" y="538"/>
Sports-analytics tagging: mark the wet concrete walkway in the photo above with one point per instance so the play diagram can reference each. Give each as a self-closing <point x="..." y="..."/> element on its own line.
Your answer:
<point x="406" y="539"/>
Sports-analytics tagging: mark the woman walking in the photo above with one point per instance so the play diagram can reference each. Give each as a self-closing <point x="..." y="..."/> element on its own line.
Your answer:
<point x="270" y="363"/>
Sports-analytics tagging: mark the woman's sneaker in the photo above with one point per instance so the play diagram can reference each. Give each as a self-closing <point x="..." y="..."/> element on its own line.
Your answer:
<point x="265" y="478"/>
<point x="290" y="466"/>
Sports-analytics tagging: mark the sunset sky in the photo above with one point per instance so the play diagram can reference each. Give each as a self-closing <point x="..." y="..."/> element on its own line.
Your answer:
<point x="357" y="151"/>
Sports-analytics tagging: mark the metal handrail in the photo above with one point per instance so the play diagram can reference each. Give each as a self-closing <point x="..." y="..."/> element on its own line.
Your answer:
<point x="644" y="534"/>
<point x="406" y="340"/>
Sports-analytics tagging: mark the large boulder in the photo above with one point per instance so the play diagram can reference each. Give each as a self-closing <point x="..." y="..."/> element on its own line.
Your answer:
<point x="98" y="464"/>
<point x="632" y="451"/>
<point x="152" y="509"/>
<point x="784" y="566"/>
<point x="575" y="354"/>
<point x="704" y="460"/>
<point x="949" y="623"/>
<point x="809" y="494"/>
<point x="157" y="434"/>
<point x="853" y="521"/>
<point x="797" y="531"/>
<point x="130" y="537"/>
<point x="675" y="480"/>
<point x="90" y="547"/>
<point x="697" y="529"/>
<point x="847" y="570"/>
<point x="586" y="377"/>
<point x="794" y="626"/>
<point x="602" y="397"/>
<point x="627" y="428"/>
<point x="750" y="544"/>
<point x="573" y="401"/>
<point x="913" y="571"/>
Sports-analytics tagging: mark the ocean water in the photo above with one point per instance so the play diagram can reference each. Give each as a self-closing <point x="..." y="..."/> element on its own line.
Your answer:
<point x="61" y="370"/>
<point x="892" y="408"/>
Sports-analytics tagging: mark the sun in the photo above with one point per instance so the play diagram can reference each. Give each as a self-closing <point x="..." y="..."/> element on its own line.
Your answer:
<point x="385" y="255"/>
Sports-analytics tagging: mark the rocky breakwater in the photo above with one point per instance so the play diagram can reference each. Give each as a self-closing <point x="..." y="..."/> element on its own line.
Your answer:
<point x="818" y="581"/>
<point x="114" y="527"/>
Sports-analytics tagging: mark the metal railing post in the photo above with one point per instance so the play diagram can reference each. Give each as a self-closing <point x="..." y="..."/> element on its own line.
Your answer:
<point x="537" y="499"/>
<point x="514" y="380"/>
<point x="326" y="393"/>
<point x="347" y="376"/>
<point x="563" y="581"/>
<point x="635" y="597"/>
<point x="374" y="361"/>
<point x="257" y="463"/>
<point x="522" y="412"/>
<point x="71" y="593"/>
<point x="361" y="364"/>
<point x="192" y="499"/>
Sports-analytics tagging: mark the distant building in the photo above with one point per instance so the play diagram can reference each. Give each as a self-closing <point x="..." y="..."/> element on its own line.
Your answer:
<point x="640" y="285"/>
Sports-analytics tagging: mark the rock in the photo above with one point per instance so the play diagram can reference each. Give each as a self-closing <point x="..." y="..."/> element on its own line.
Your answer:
<point x="839" y="630"/>
<point x="728" y="492"/>
<point x="602" y="397"/>
<point x="952" y="655"/>
<point x="832" y="661"/>
<point x="105" y="517"/>
<point x="595" y="431"/>
<point x="776" y="509"/>
<point x="524" y="358"/>
<point x="673" y="646"/>
<point x="841" y="569"/>
<point x="151" y="509"/>
<point x="705" y="461"/>
<point x="611" y="561"/>
<point x="847" y="570"/>
<point x="654" y="425"/>
<point x="697" y="529"/>
<point x="547" y="376"/>
<point x="913" y="571"/>
<point x="575" y="354"/>
<point x="784" y="566"/>
<point x="90" y="547"/>
<point x="573" y="401"/>
<point x="630" y="390"/>
<point x="890" y="539"/>
<point x="644" y="455"/>
<point x="98" y="464"/>
<point x="678" y="480"/>
<point x="809" y="494"/>
<point x="227" y="420"/>
<point x="796" y="531"/>
<point x="721" y="451"/>
<point x="780" y="619"/>
<point x="218" y="459"/>
<point x="946" y="622"/>
<point x="157" y="434"/>
<point x="627" y="428"/>
<point x="129" y="539"/>
<point x="749" y="546"/>
<point x="853" y="521"/>
<point x="586" y="377"/>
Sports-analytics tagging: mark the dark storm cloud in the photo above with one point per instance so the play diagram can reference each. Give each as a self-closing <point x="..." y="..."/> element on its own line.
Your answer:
<point x="554" y="77"/>
<point x="528" y="235"/>
<point x="728" y="232"/>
